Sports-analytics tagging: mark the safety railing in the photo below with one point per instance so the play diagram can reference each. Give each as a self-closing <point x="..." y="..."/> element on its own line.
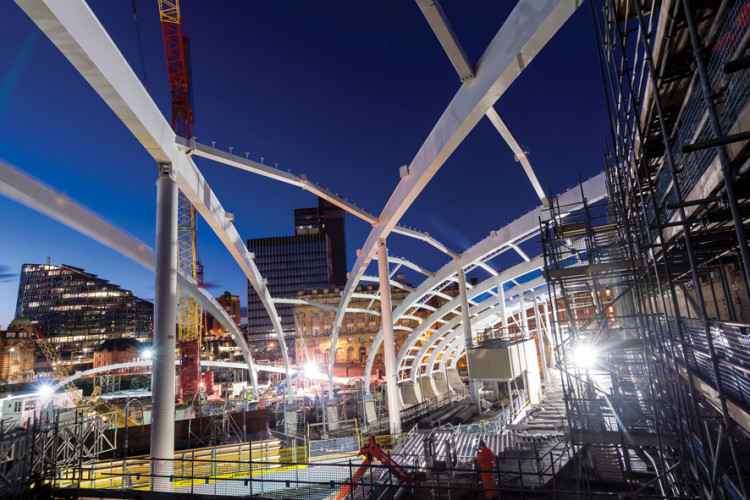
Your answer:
<point x="350" y="479"/>
<point x="732" y="92"/>
<point x="732" y="347"/>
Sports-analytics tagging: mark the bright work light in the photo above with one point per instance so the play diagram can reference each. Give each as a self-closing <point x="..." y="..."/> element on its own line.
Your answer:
<point x="311" y="370"/>
<point x="44" y="390"/>
<point x="585" y="356"/>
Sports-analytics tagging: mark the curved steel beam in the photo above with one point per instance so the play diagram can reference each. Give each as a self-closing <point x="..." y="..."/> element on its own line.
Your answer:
<point x="213" y="364"/>
<point x="192" y="147"/>
<point x="77" y="33"/>
<point x="594" y="189"/>
<point x="507" y="275"/>
<point x="480" y="314"/>
<point x="20" y="187"/>
<point x="527" y="29"/>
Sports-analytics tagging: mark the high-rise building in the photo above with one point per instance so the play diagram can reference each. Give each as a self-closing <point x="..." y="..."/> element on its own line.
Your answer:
<point x="231" y="303"/>
<point x="77" y="311"/>
<point x="314" y="256"/>
<point x="330" y="221"/>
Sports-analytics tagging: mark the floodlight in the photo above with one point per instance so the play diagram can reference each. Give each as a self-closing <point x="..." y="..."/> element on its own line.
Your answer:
<point x="585" y="356"/>
<point x="147" y="353"/>
<point x="45" y="390"/>
<point x="311" y="370"/>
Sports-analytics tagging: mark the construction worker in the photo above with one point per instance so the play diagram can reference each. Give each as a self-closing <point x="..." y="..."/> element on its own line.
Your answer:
<point x="486" y="463"/>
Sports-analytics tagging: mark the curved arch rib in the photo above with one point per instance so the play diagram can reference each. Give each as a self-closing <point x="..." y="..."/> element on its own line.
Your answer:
<point x="56" y="205"/>
<point x="511" y="50"/>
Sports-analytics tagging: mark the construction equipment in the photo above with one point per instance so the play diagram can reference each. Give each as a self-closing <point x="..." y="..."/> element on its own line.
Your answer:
<point x="372" y="450"/>
<point x="60" y="371"/>
<point x="176" y="45"/>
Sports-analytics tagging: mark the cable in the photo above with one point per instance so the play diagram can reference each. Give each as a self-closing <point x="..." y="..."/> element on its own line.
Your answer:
<point x="140" y="45"/>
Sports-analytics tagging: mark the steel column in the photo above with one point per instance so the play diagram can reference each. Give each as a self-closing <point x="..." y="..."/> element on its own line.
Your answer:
<point x="540" y="336"/>
<point x="503" y="312"/>
<point x="524" y="317"/>
<point x="165" y="310"/>
<point x="467" y="332"/>
<point x="721" y="152"/>
<point x="389" y="344"/>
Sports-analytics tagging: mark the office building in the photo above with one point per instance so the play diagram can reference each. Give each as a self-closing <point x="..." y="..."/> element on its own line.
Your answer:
<point x="314" y="256"/>
<point x="77" y="311"/>
<point x="115" y="351"/>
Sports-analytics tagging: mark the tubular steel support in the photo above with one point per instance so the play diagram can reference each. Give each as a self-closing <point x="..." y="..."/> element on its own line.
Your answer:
<point x="389" y="344"/>
<point x="721" y="152"/>
<point x="165" y="310"/>
<point x="467" y="333"/>
<point x="737" y="218"/>
<point x="625" y="163"/>
<point x="686" y="229"/>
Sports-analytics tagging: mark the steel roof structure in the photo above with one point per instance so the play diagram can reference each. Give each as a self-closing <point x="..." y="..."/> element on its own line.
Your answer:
<point x="81" y="38"/>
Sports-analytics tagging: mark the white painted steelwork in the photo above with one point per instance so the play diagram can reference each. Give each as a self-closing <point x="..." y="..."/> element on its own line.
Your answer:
<point x="81" y="38"/>
<point x="204" y="363"/>
<point x="527" y="29"/>
<point x="20" y="187"/>
<point x="77" y="33"/>
<point x="434" y="14"/>
<point x="389" y="345"/>
<point x="165" y="330"/>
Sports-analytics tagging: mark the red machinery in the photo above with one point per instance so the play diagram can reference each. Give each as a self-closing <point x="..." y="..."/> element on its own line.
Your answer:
<point x="176" y="45"/>
<point x="372" y="450"/>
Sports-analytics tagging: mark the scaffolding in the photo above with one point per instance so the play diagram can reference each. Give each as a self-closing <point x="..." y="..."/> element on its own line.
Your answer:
<point x="668" y="250"/>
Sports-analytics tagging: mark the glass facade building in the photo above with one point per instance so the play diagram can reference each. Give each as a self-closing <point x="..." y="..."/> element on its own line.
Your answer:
<point x="78" y="311"/>
<point x="289" y="264"/>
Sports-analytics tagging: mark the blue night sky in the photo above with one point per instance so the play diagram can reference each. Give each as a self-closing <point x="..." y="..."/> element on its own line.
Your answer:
<point x="342" y="91"/>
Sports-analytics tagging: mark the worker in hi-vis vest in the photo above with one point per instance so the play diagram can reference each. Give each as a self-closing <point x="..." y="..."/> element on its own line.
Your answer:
<point x="486" y="463"/>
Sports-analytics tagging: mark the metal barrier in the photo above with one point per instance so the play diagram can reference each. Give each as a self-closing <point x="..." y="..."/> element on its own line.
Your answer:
<point x="317" y="481"/>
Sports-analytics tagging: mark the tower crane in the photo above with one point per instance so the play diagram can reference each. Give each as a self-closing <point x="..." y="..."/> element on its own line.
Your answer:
<point x="176" y="48"/>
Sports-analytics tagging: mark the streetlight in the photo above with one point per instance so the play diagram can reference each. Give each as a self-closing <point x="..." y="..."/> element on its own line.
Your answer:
<point x="311" y="370"/>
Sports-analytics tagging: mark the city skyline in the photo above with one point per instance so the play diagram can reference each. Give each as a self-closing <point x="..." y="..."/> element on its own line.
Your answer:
<point x="390" y="98"/>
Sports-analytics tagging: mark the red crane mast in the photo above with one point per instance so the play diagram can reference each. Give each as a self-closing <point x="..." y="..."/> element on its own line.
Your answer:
<point x="176" y="47"/>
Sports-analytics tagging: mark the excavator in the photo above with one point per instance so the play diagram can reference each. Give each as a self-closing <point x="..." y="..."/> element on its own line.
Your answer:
<point x="372" y="450"/>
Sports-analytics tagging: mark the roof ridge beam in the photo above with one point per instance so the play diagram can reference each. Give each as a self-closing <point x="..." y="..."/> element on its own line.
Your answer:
<point x="194" y="148"/>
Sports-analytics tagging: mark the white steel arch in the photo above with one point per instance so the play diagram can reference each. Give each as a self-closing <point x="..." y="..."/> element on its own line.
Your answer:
<point x="56" y="205"/>
<point x="506" y="238"/>
<point x="452" y="306"/>
<point x="483" y="312"/>
<point x="80" y="37"/>
<point x="204" y="363"/>
<point x="78" y="34"/>
<point x="527" y="29"/>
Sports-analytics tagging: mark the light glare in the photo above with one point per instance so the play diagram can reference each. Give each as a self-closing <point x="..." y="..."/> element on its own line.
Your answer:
<point x="44" y="390"/>
<point x="585" y="356"/>
<point x="311" y="370"/>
